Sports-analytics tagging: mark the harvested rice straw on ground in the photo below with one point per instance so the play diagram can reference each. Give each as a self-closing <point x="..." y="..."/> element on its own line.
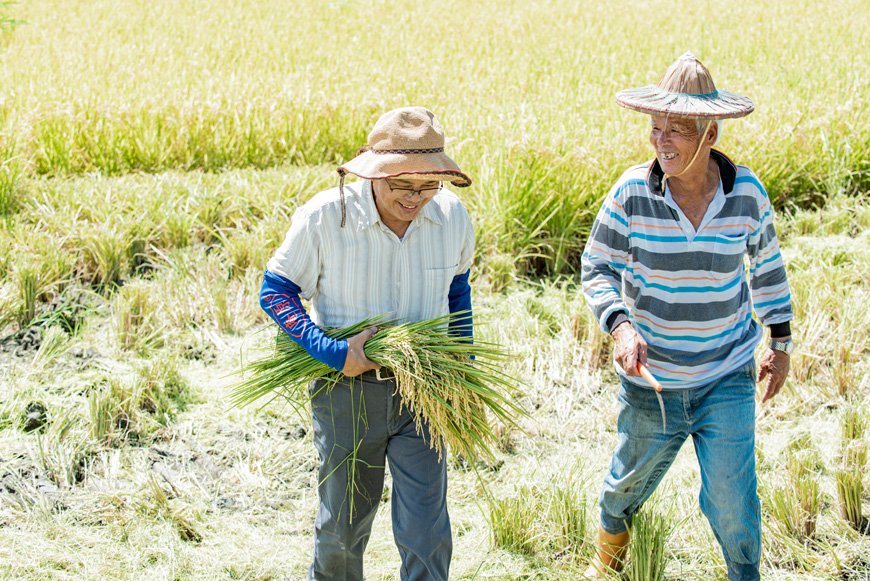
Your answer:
<point x="459" y="400"/>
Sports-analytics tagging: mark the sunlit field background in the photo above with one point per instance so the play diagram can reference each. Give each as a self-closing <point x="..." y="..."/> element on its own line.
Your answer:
<point x="152" y="153"/>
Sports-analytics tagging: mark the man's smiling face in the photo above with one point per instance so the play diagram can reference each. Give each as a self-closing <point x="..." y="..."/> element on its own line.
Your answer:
<point x="675" y="142"/>
<point x="400" y="201"/>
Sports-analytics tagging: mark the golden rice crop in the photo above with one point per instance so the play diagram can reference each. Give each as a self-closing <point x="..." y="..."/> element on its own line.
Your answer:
<point x="460" y="400"/>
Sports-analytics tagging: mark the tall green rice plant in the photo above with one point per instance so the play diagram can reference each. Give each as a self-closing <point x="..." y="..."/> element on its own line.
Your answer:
<point x="842" y="372"/>
<point x="805" y="493"/>
<point x="36" y="278"/>
<point x="52" y="256"/>
<point x="527" y="214"/>
<point x="499" y="270"/>
<point x="231" y="132"/>
<point x="221" y="306"/>
<point x="853" y="461"/>
<point x="854" y="424"/>
<point x="550" y="520"/>
<point x="842" y="214"/>
<point x="8" y="303"/>
<point x="105" y="255"/>
<point x="246" y="250"/>
<point x="101" y="414"/>
<point x="165" y="392"/>
<point x="567" y="519"/>
<point x="214" y="211"/>
<point x="140" y="239"/>
<point x="135" y="319"/>
<point x="512" y="521"/>
<point x="178" y="227"/>
<point x="112" y="406"/>
<point x="55" y="343"/>
<point x="836" y="175"/>
<point x="27" y="276"/>
<point x="193" y="289"/>
<point x="10" y="177"/>
<point x="796" y="505"/>
<point x="61" y="452"/>
<point x="647" y="554"/>
<point x="850" y="491"/>
<point x="126" y="408"/>
<point x="597" y="344"/>
<point x="6" y="251"/>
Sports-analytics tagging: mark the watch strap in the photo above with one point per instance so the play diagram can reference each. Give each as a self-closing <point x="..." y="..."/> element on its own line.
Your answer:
<point x="785" y="346"/>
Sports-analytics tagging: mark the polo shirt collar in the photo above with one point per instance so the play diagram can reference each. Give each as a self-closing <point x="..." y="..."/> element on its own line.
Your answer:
<point x="727" y="171"/>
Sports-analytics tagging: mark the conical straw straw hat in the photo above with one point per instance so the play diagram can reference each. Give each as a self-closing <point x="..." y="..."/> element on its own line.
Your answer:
<point x="686" y="90"/>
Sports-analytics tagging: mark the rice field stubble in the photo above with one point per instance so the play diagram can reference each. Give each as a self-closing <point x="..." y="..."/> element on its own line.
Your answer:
<point x="153" y="154"/>
<point x="91" y="424"/>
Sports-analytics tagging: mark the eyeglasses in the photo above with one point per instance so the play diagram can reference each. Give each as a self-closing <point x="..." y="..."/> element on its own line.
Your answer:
<point x="426" y="193"/>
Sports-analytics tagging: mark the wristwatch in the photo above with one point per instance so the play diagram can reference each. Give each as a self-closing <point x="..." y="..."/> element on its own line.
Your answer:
<point x="785" y="346"/>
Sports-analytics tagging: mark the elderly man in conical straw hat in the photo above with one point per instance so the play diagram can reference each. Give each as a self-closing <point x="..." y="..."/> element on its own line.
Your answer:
<point x="663" y="271"/>
<point x="396" y="243"/>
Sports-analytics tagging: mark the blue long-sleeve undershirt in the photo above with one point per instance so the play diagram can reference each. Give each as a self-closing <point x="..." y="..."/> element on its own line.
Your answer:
<point x="459" y="300"/>
<point x="279" y="297"/>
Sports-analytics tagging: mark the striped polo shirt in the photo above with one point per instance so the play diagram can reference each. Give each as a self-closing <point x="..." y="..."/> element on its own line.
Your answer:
<point x="690" y="294"/>
<point x="364" y="269"/>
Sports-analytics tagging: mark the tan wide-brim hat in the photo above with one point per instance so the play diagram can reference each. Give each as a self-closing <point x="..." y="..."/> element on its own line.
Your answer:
<point x="406" y="143"/>
<point x="686" y="90"/>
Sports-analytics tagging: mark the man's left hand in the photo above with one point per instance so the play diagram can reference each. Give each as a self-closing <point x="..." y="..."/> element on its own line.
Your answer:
<point x="774" y="366"/>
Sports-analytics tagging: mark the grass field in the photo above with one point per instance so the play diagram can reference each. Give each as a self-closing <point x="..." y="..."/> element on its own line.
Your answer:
<point x="151" y="155"/>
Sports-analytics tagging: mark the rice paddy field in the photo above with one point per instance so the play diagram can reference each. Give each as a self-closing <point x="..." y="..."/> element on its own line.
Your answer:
<point x="152" y="153"/>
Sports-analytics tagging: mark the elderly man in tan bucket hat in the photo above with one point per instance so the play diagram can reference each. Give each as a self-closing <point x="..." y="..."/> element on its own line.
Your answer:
<point x="397" y="243"/>
<point x="663" y="272"/>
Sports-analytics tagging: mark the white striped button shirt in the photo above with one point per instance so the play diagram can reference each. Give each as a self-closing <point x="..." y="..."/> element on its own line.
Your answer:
<point x="364" y="269"/>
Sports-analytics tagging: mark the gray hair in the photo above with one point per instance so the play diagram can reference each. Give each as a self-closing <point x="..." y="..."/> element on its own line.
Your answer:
<point x="701" y="124"/>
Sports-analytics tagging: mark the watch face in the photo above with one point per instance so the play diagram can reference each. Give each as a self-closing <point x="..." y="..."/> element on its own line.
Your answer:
<point x="787" y="347"/>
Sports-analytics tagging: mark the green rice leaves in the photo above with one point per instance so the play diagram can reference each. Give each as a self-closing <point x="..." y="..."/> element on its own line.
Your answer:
<point x="460" y="400"/>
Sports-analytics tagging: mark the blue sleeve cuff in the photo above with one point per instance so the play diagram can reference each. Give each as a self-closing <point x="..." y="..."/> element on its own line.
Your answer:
<point x="279" y="297"/>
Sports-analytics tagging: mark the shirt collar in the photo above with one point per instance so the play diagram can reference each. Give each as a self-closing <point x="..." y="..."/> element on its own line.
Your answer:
<point x="369" y="216"/>
<point x="727" y="171"/>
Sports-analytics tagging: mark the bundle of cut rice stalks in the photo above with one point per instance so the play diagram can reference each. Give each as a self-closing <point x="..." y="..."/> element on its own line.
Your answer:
<point x="461" y="401"/>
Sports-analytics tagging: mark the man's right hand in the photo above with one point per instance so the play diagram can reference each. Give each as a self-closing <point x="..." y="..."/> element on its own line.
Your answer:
<point x="630" y="348"/>
<point x="356" y="361"/>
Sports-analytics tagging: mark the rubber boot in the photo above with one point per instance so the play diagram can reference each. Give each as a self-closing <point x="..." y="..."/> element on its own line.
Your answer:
<point x="610" y="554"/>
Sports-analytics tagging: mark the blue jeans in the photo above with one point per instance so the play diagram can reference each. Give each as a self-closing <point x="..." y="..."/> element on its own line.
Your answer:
<point x="366" y="416"/>
<point x="720" y="418"/>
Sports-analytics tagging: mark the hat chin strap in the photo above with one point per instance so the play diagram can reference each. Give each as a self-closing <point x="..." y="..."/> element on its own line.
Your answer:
<point x="694" y="157"/>
<point x="341" y="195"/>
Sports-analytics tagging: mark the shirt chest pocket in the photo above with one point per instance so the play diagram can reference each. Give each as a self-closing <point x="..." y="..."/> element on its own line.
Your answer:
<point x="727" y="251"/>
<point x="732" y="242"/>
<point x="437" y="281"/>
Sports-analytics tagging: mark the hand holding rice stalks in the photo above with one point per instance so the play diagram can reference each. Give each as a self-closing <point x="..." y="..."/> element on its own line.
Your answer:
<point x="460" y="401"/>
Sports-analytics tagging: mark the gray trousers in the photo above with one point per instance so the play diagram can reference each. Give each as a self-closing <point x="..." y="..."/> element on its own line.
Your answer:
<point x="357" y="426"/>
